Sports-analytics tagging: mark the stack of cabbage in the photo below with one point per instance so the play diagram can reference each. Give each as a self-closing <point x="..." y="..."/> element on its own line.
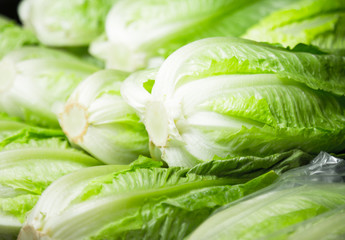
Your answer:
<point x="183" y="110"/>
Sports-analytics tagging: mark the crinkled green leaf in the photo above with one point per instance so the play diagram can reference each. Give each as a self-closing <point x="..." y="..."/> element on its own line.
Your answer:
<point x="34" y="137"/>
<point x="251" y="166"/>
<point x="316" y="22"/>
<point x="220" y="56"/>
<point x="18" y="206"/>
<point x="145" y="162"/>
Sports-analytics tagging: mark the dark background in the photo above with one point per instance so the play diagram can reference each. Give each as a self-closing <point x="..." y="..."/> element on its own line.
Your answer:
<point x="9" y="8"/>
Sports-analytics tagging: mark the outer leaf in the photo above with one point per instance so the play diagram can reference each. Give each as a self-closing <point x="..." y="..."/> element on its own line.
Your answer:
<point x="220" y="56"/>
<point x="33" y="137"/>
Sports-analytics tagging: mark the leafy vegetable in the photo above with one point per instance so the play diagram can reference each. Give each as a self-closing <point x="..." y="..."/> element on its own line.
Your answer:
<point x="36" y="80"/>
<point x="140" y="201"/>
<point x="97" y="119"/>
<point x="229" y="97"/>
<point x="141" y="33"/>
<point x="317" y="22"/>
<point x="280" y="210"/>
<point x="13" y="36"/>
<point x="30" y="160"/>
<point x="65" y="22"/>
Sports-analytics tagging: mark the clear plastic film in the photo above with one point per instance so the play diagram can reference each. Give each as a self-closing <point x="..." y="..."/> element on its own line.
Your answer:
<point x="324" y="226"/>
<point x="301" y="203"/>
<point x="323" y="169"/>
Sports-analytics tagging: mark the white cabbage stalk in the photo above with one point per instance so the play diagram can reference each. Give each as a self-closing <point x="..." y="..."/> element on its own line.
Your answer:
<point x="226" y="97"/>
<point x="142" y="33"/>
<point x="65" y="22"/>
<point x="35" y="81"/>
<point x="98" y="120"/>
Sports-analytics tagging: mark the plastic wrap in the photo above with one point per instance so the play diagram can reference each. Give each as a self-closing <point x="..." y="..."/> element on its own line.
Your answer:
<point x="295" y="207"/>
